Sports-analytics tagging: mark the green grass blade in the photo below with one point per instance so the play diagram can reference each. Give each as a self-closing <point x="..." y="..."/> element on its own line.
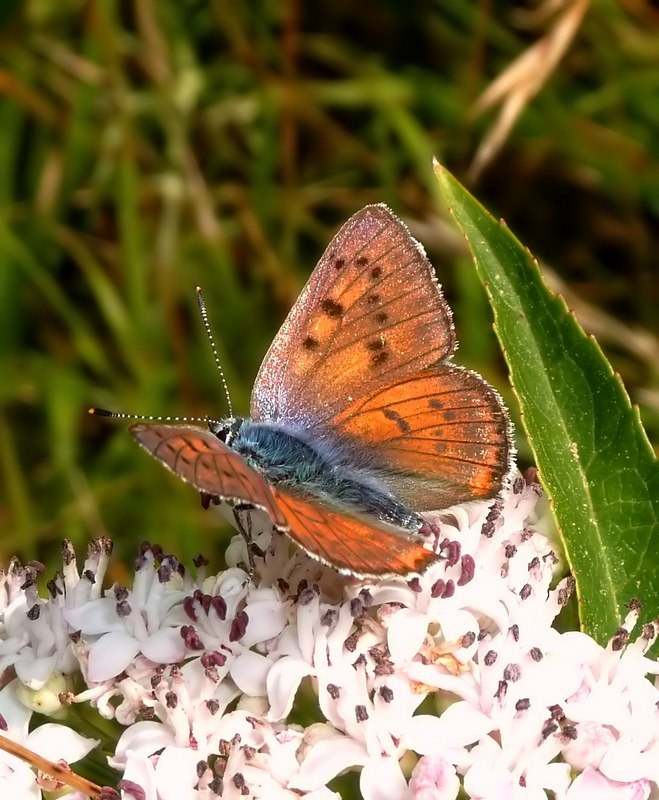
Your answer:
<point x="591" y="450"/>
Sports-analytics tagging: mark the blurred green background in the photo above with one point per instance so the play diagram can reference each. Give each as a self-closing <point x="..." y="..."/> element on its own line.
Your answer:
<point x="149" y="147"/>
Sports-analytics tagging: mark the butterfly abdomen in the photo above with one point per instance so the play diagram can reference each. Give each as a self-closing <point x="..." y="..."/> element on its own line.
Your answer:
<point x="289" y="459"/>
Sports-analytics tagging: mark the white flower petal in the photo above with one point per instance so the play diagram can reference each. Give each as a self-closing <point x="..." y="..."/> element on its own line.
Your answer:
<point x="266" y="620"/>
<point x="165" y="646"/>
<point x="394" y="591"/>
<point x="556" y="778"/>
<point x="326" y="759"/>
<point x="394" y="714"/>
<point x="55" y="742"/>
<point x="17" y="781"/>
<point x="490" y="780"/>
<point x="14" y="713"/>
<point x="623" y="763"/>
<point x="35" y="673"/>
<point x="237" y="723"/>
<point x="456" y="623"/>
<point x="176" y="774"/>
<point x="143" y="738"/>
<point x="382" y="779"/>
<point x="593" y="740"/>
<point x="424" y="733"/>
<point x="140" y="770"/>
<point x="405" y="634"/>
<point x="287" y="644"/>
<point x="14" y="616"/>
<point x="429" y="675"/>
<point x="282" y="684"/>
<point x="590" y="785"/>
<point x="95" y="617"/>
<point x="110" y="655"/>
<point x="249" y="672"/>
<point x="461" y="725"/>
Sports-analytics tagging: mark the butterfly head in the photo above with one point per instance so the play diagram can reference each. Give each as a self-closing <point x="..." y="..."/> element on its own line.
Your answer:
<point x="226" y="430"/>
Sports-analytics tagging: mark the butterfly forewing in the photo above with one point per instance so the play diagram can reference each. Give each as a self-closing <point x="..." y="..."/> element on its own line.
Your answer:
<point x="200" y="458"/>
<point x="371" y="314"/>
<point x="349" y="544"/>
<point x="436" y="439"/>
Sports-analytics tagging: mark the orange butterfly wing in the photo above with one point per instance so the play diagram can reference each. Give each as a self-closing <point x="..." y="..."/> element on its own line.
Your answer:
<point x="198" y="457"/>
<point x="436" y="439"/>
<point x="348" y="544"/>
<point x="371" y="314"/>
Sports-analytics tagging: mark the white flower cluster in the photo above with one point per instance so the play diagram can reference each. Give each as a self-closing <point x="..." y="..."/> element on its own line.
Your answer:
<point x="452" y="682"/>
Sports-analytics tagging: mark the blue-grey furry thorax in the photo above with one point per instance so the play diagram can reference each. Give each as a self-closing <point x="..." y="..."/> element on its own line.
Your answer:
<point x="314" y="470"/>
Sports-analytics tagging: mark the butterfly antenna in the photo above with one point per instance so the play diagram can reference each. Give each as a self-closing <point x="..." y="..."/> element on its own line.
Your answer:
<point x="209" y="334"/>
<point x="103" y="412"/>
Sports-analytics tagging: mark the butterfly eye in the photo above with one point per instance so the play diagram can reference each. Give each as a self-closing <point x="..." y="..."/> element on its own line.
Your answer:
<point x="227" y="430"/>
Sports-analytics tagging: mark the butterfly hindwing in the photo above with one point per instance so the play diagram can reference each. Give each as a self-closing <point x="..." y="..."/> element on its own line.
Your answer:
<point x="436" y="439"/>
<point x="348" y="544"/>
<point x="198" y="457"/>
<point x="371" y="314"/>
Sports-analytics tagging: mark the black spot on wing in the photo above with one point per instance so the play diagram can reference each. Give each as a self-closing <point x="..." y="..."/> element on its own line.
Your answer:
<point x="379" y="358"/>
<point x="332" y="308"/>
<point x="394" y="416"/>
<point x="309" y="343"/>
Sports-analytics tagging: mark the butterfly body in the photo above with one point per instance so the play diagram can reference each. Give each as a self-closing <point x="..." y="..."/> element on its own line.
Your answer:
<point x="314" y="468"/>
<point x="359" y="417"/>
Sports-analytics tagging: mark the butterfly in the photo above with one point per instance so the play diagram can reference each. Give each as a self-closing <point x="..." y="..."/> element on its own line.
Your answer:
<point x="359" y="420"/>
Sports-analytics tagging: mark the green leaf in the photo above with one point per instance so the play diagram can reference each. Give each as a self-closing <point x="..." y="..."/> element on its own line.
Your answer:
<point x="592" y="453"/>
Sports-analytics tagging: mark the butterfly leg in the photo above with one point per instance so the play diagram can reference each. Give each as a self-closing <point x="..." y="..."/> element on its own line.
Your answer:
<point x="242" y="514"/>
